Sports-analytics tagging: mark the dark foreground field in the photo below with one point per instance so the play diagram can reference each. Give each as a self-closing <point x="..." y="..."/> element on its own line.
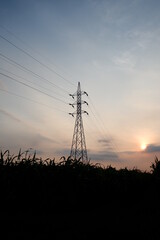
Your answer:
<point x="72" y="200"/>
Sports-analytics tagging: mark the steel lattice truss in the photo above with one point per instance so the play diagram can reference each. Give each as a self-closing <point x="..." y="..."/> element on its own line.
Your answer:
<point x="78" y="148"/>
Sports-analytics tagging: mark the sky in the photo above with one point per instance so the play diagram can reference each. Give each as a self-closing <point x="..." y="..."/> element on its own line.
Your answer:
<point x="112" y="48"/>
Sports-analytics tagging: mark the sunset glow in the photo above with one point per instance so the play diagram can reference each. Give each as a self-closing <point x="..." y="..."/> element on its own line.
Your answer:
<point x="143" y="146"/>
<point x="112" y="48"/>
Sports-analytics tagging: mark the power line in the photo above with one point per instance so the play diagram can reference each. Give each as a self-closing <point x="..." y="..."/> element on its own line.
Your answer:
<point x="11" y="61"/>
<point x="31" y="100"/>
<point x="102" y="131"/>
<point x="96" y="116"/>
<point x="42" y="64"/>
<point x="103" y="135"/>
<point x="33" y="49"/>
<point x="31" y="82"/>
<point x="90" y="127"/>
<point x="50" y="69"/>
<point x="33" y="88"/>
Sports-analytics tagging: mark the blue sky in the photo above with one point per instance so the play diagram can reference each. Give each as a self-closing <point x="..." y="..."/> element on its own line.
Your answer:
<point x="112" y="48"/>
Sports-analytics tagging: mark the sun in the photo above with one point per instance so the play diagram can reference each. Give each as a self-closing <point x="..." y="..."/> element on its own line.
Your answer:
<point x="143" y="146"/>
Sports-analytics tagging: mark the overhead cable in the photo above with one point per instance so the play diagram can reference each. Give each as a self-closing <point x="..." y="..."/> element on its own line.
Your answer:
<point x="29" y="99"/>
<point x="30" y="47"/>
<point x="31" y="82"/>
<point x="42" y="64"/>
<point x="28" y="70"/>
<point x="33" y="88"/>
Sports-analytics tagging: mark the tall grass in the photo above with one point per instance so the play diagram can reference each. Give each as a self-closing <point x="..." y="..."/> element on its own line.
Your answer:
<point x="30" y="185"/>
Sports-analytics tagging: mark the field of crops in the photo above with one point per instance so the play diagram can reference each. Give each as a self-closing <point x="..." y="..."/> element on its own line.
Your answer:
<point x="75" y="200"/>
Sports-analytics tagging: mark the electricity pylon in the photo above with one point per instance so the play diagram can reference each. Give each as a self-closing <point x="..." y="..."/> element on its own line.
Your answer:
<point x="78" y="148"/>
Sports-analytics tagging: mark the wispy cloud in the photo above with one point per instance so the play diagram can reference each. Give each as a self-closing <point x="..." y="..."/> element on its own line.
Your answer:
<point x="124" y="60"/>
<point x="44" y="138"/>
<point x="130" y="152"/>
<point x="141" y="38"/>
<point x="107" y="143"/>
<point x="24" y="135"/>
<point x="10" y="115"/>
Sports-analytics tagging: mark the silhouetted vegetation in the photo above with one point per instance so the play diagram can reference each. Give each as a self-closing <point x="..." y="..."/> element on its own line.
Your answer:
<point x="76" y="200"/>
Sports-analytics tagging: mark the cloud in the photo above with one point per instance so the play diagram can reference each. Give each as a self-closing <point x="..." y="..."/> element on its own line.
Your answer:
<point x="124" y="60"/>
<point x="104" y="156"/>
<point x="141" y="37"/>
<point x="10" y="115"/>
<point x="21" y="134"/>
<point x="130" y="152"/>
<point x="97" y="156"/>
<point x="63" y="152"/>
<point x="106" y="142"/>
<point x="151" y="148"/>
<point x="44" y="138"/>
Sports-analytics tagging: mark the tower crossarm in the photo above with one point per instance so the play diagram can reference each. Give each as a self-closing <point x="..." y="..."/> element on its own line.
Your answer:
<point x="80" y="92"/>
<point x="85" y="112"/>
<point x="75" y="113"/>
<point x="75" y="103"/>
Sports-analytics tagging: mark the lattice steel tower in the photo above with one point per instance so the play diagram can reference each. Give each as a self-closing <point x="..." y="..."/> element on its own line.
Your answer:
<point x="78" y="148"/>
